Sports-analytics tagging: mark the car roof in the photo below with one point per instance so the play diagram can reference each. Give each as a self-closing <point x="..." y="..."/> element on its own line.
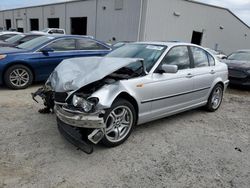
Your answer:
<point x="169" y="44"/>
<point x="244" y="50"/>
<point x="68" y="36"/>
<point x="9" y="32"/>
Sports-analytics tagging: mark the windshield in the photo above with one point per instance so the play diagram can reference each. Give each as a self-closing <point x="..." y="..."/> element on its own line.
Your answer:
<point x="35" y="42"/>
<point x="14" y="39"/>
<point x="150" y="54"/>
<point x="45" y="30"/>
<point x="240" y="56"/>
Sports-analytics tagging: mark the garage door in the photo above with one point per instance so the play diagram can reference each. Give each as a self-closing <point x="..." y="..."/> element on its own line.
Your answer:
<point x="19" y="25"/>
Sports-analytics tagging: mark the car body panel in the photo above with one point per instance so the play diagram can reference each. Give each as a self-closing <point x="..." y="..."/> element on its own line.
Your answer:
<point x="159" y="95"/>
<point x="42" y="64"/>
<point x="239" y="70"/>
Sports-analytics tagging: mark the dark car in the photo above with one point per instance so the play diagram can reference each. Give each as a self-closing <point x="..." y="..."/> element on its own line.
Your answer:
<point x="239" y="67"/>
<point x="36" y="59"/>
<point x="18" y="39"/>
<point x="7" y="34"/>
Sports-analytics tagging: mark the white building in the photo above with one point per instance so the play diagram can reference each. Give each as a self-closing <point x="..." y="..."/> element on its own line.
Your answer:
<point x="131" y="20"/>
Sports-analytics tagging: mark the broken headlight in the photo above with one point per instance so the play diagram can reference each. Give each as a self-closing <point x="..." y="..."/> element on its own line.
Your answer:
<point x="2" y="56"/>
<point x="86" y="105"/>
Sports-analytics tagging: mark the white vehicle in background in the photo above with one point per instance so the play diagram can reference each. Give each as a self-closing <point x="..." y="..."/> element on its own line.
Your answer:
<point x="50" y="31"/>
<point x="217" y="54"/>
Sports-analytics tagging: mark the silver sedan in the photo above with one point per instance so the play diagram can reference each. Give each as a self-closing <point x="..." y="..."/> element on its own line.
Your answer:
<point x="103" y="98"/>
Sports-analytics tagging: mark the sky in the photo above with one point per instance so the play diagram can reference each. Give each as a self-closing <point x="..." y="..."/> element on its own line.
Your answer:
<point x="240" y="7"/>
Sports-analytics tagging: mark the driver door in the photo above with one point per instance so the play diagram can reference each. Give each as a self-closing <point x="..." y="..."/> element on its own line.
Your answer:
<point x="173" y="91"/>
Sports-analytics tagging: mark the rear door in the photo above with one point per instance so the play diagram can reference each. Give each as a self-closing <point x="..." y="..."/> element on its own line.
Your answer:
<point x="173" y="91"/>
<point x="204" y="73"/>
<point x="62" y="49"/>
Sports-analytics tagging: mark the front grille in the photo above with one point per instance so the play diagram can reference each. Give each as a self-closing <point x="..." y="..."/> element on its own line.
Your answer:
<point x="61" y="97"/>
<point x="236" y="73"/>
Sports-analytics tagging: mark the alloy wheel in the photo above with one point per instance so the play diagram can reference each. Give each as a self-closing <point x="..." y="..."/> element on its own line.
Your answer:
<point x="118" y="123"/>
<point x="19" y="77"/>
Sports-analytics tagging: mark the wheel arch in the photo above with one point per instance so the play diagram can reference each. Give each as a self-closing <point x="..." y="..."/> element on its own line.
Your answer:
<point x="128" y="97"/>
<point x="19" y="63"/>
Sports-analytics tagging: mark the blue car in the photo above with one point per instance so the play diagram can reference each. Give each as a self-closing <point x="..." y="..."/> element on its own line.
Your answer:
<point x="36" y="59"/>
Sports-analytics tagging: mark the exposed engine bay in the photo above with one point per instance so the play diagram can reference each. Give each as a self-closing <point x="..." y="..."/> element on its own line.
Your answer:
<point x="49" y="96"/>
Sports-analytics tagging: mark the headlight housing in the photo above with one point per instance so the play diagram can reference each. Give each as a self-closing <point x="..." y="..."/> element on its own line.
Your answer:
<point x="2" y="56"/>
<point x="84" y="104"/>
<point x="248" y="71"/>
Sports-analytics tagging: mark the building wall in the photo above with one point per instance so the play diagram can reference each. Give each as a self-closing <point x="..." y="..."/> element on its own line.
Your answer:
<point x="35" y="13"/>
<point x="155" y="21"/>
<point x="8" y="15"/>
<point x="1" y="19"/>
<point x="162" y="24"/>
<point x="82" y="9"/>
<point x="120" y="24"/>
<point x="20" y="14"/>
<point x="55" y="11"/>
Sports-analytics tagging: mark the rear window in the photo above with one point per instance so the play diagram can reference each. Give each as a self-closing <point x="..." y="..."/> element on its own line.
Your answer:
<point x="87" y="44"/>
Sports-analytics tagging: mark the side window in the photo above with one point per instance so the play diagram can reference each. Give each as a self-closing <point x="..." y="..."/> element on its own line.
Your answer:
<point x="178" y="56"/>
<point x="63" y="45"/>
<point x="200" y="57"/>
<point x="27" y="38"/>
<point x="87" y="44"/>
<point x="211" y="60"/>
<point x="59" y="31"/>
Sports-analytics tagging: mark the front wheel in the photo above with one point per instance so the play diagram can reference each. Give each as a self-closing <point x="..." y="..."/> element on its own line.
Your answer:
<point x="119" y="120"/>
<point x="18" y="77"/>
<point x="215" y="98"/>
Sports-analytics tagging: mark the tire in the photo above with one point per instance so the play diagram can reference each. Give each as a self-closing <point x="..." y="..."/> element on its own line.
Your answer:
<point x="18" y="77"/>
<point x="215" y="98"/>
<point x="117" y="131"/>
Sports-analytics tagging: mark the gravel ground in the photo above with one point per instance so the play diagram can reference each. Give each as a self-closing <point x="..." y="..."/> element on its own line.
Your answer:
<point x="192" y="149"/>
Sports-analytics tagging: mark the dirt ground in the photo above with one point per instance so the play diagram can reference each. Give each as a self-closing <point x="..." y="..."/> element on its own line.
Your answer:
<point x="192" y="149"/>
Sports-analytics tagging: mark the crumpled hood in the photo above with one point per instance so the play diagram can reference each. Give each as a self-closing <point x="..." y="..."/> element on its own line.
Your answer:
<point x="73" y="74"/>
<point x="237" y="64"/>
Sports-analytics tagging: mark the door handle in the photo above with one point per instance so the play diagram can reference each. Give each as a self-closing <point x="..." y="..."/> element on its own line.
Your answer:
<point x="212" y="72"/>
<point x="189" y="75"/>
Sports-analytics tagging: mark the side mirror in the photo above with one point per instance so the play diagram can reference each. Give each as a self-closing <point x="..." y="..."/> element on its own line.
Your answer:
<point x="46" y="50"/>
<point x="168" y="69"/>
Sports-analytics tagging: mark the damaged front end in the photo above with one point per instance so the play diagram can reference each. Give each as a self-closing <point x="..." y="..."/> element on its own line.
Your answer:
<point x="70" y="91"/>
<point x="47" y="95"/>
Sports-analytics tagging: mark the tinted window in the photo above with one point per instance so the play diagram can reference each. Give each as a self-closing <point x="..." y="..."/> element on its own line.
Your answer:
<point x="6" y="36"/>
<point x="63" y="45"/>
<point x="211" y="60"/>
<point x="178" y="56"/>
<point x="200" y="57"/>
<point x="59" y="32"/>
<point x="14" y="38"/>
<point x="240" y="56"/>
<point x="87" y="44"/>
<point x="35" y="42"/>
<point x="27" y="38"/>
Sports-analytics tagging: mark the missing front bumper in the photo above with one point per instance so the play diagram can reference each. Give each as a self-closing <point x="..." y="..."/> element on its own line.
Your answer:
<point x="81" y="120"/>
<point x="74" y="136"/>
